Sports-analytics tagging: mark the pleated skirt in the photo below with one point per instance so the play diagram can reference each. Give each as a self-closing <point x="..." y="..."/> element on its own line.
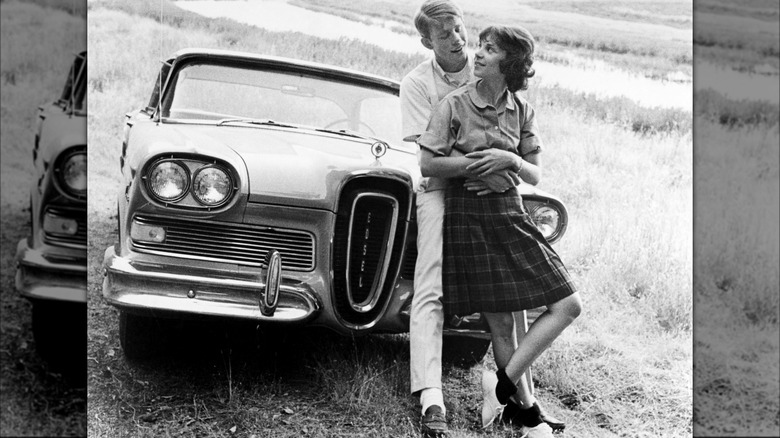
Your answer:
<point x="495" y="258"/>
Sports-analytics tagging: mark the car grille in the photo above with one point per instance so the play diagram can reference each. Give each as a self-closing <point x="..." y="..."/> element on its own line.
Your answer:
<point x="75" y="240"/>
<point x="229" y="242"/>
<point x="368" y="241"/>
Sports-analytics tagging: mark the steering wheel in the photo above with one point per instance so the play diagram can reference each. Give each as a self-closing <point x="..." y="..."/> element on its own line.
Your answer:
<point x="336" y="122"/>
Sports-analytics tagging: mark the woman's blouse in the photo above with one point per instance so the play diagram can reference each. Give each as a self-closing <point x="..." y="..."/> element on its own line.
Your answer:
<point x="465" y="121"/>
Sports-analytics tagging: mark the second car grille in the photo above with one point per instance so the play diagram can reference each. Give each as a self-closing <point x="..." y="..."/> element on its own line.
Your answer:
<point x="230" y="242"/>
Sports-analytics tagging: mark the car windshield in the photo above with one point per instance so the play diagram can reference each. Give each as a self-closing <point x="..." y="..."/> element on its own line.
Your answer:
<point x="218" y="92"/>
<point x="75" y="90"/>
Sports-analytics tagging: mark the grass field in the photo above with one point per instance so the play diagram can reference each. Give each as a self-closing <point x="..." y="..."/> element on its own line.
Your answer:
<point x="623" y="369"/>
<point x="735" y="232"/>
<point x="35" y="398"/>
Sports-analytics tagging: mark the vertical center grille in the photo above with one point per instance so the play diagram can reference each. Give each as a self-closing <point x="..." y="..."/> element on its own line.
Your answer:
<point x="369" y="235"/>
<point x="373" y="220"/>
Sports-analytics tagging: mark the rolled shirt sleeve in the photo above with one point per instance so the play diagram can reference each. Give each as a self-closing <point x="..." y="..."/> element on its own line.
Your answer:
<point x="530" y="141"/>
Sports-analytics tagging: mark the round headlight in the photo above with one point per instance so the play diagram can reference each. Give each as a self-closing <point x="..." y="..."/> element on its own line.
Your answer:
<point x="212" y="186"/>
<point x="546" y="219"/>
<point x="74" y="173"/>
<point x="168" y="180"/>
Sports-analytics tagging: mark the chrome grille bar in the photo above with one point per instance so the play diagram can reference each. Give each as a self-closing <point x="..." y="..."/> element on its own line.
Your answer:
<point x="229" y="242"/>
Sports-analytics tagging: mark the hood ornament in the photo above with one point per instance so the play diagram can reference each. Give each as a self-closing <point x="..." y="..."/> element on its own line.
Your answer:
<point x="378" y="149"/>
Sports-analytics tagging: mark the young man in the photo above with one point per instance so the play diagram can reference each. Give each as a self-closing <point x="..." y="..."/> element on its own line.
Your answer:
<point x="441" y="27"/>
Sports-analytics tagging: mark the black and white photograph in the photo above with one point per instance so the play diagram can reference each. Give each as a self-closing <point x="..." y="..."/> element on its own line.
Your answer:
<point x="408" y="218"/>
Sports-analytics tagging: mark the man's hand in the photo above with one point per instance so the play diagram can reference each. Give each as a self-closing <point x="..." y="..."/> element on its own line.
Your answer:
<point x="490" y="161"/>
<point x="497" y="182"/>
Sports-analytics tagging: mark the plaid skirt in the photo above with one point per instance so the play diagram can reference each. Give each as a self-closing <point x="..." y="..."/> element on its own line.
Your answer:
<point x="495" y="259"/>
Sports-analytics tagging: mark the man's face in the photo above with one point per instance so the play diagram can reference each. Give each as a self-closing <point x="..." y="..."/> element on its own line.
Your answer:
<point x="448" y="41"/>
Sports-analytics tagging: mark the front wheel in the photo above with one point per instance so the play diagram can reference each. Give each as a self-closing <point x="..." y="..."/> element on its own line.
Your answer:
<point x="464" y="351"/>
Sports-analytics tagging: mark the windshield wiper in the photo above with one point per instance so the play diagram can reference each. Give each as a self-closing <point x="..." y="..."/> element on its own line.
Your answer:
<point x="266" y="122"/>
<point x="350" y="133"/>
<point x="341" y="132"/>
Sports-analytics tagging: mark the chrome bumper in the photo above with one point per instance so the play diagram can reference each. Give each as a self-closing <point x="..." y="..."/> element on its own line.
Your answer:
<point x="42" y="278"/>
<point x="149" y="288"/>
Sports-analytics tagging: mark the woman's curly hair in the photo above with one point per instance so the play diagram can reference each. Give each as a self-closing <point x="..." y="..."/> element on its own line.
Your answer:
<point x="519" y="45"/>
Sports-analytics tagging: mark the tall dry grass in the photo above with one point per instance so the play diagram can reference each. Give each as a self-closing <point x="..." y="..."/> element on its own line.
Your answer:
<point x="34" y="70"/>
<point x="738" y="196"/>
<point x="736" y="279"/>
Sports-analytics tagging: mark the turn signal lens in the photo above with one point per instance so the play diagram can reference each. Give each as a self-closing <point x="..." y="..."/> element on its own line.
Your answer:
<point x="147" y="233"/>
<point x="53" y="224"/>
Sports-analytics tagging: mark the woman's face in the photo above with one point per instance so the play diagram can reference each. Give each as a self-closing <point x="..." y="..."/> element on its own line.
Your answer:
<point x="487" y="58"/>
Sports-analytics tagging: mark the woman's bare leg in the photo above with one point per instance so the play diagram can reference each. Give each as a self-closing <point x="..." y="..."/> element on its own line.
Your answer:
<point x="547" y="327"/>
<point x="504" y="337"/>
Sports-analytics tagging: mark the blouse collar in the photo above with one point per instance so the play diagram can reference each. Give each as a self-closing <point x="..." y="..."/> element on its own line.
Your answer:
<point x="507" y="102"/>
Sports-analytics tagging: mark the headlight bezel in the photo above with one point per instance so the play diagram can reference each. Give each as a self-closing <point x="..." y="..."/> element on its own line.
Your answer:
<point x="193" y="165"/>
<point x="59" y="171"/>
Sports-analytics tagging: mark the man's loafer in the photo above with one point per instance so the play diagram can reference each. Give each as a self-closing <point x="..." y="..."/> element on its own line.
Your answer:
<point x="433" y="424"/>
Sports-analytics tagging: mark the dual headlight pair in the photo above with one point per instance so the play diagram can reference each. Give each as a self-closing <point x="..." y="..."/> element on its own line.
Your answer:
<point x="170" y="180"/>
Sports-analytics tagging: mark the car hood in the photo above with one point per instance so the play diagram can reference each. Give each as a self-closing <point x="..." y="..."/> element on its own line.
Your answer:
<point x="288" y="166"/>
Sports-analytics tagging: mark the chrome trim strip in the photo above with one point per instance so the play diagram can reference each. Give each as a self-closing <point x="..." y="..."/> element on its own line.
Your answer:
<point x="373" y="297"/>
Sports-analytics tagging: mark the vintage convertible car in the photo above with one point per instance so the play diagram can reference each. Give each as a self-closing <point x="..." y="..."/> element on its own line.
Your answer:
<point x="51" y="263"/>
<point x="272" y="190"/>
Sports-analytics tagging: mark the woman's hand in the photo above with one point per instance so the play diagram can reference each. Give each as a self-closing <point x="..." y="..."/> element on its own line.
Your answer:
<point x="498" y="182"/>
<point x="491" y="160"/>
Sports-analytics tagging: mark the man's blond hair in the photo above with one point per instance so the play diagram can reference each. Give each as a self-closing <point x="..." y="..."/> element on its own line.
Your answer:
<point x="433" y="12"/>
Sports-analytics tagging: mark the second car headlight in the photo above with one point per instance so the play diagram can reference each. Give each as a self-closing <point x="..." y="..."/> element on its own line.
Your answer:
<point x="546" y="219"/>
<point x="71" y="171"/>
<point x="74" y="173"/>
<point x="211" y="186"/>
<point x="169" y="180"/>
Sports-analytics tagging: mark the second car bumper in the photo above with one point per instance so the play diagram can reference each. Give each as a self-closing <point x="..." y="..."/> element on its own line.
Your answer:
<point x="146" y="288"/>
<point x="43" y="278"/>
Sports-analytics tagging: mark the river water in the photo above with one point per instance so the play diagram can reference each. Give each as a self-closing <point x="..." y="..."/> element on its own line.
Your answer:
<point x="600" y="79"/>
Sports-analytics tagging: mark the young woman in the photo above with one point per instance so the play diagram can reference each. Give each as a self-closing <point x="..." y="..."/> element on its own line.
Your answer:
<point x="495" y="259"/>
